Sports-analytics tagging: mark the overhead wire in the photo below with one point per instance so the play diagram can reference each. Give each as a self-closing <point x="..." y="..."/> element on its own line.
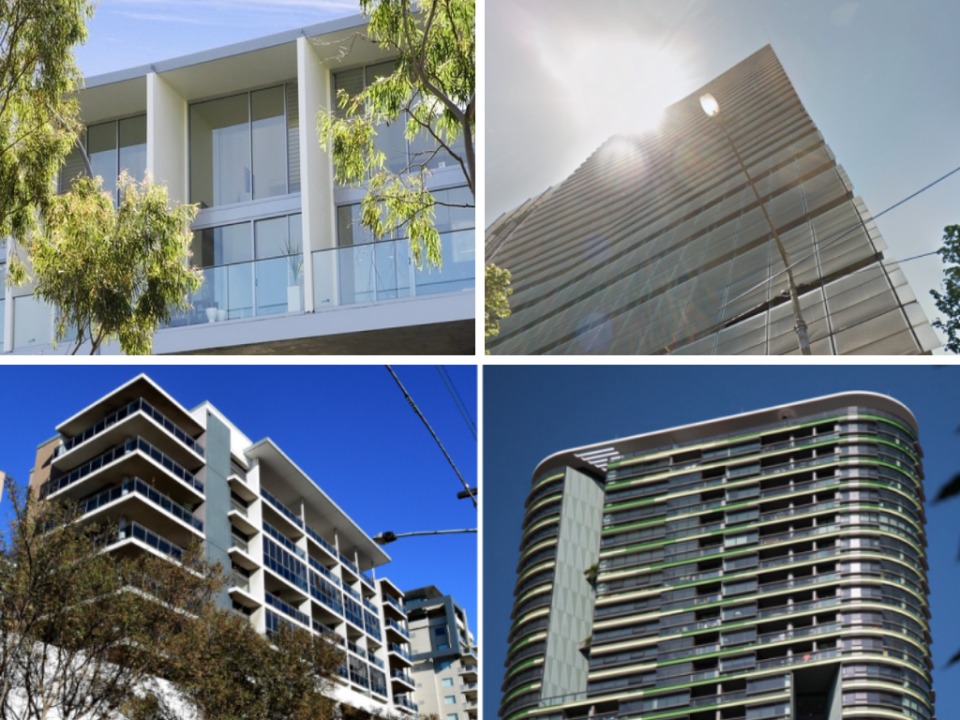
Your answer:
<point x="466" y="485"/>
<point x="457" y="400"/>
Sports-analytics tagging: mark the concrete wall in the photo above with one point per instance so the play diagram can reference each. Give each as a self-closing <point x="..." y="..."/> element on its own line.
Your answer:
<point x="167" y="137"/>
<point x="571" y="609"/>
<point x="217" y="504"/>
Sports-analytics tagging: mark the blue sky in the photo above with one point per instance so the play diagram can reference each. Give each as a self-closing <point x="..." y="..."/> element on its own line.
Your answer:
<point x="127" y="33"/>
<point x="532" y="412"/>
<point x="348" y="428"/>
<point x="878" y="77"/>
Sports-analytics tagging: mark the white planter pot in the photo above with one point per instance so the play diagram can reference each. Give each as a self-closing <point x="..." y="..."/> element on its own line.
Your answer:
<point x="293" y="298"/>
<point x="221" y="315"/>
<point x="211" y="314"/>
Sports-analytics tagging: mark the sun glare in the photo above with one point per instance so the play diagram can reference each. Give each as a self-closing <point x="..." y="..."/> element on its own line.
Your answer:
<point x="615" y="84"/>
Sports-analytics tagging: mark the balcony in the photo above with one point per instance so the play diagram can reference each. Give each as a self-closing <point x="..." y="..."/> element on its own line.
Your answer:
<point x="402" y="676"/>
<point x="286" y="512"/>
<point x="135" y="418"/>
<point x="394" y="626"/>
<point x="239" y="515"/>
<point x="143" y="459"/>
<point x="469" y="673"/>
<point x="393" y="603"/>
<point x="240" y="592"/>
<point x="313" y="535"/>
<point x="245" y="290"/>
<point x="135" y="531"/>
<point x="402" y="701"/>
<point x="384" y="272"/>
<point x="397" y="650"/>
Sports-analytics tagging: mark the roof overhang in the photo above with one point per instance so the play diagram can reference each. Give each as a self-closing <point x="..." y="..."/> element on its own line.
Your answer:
<point x="575" y="457"/>
<point x="139" y="387"/>
<point x="320" y="512"/>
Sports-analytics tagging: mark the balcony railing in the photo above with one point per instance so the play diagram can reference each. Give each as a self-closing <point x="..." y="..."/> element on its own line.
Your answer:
<point x="323" y="571"/>
<point x="323" y="543"/>
<point x="239" y="581"/>
<point x="369" y="606"/>
<point x="352" y="593"/>
<point x="284" y="510"/>
<point x="234" y="505"/>
<point x="384" y="271"/>
<point x="245" y="290"/>
<point x="401" y="675"/>
<point x="350" y="565"/>
<point x="136" y="485"/>
<point x="112" y="419"/>
<point x="239" y="544"/>
<point x="392" y="601"/>
<point x="401" y="700"/>
<point x="367" y="580"/>
<point x="398" y="627"/>
<point x="137" y="443"/>
<point x="150" y="538"/>
<point x="287" y="609"/>
<point x="400" y="651"/>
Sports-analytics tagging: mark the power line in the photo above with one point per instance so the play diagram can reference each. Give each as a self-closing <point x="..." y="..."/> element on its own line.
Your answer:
<point x="452" y="389"/>
<point x="466" y="486"/>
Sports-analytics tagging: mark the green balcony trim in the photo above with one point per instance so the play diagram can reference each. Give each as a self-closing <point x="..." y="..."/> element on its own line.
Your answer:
<point x="555" y="476"/>
<point x="517" y="690"/>
<point x="527" y="662"/>
<point x="532" y="591"/>
<point x="542" y="635"/>
<point x="739" y="438"/>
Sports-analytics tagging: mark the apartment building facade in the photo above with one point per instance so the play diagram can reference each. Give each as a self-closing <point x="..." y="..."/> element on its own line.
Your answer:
<point x="160" y="477"/>
<point x="444" y="655"/>
<point x="658" y="245"/>
<point x="287" y="266"/>
<point x="765" y="566"/>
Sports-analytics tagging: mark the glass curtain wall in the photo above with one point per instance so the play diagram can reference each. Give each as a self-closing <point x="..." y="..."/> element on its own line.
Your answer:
<point x="253" y="268"/>
<point x="241" y="146"/>
<point x="361" y="270"/>
<point x="112" y="147"/>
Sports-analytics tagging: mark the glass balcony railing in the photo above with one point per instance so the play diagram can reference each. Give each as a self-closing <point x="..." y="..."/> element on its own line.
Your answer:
<point x="234" y="505"/>
<point x="284" y="510"/>
<point x="399" y="651"/>
<point x="399" y="628"/>
<point x="352" y="593"/>
<point x="136" y="485"/>
<point x="137" y="532"/>
<point x="384" y="271"/>
<point x="323" y="571"/>
<point x="369" y="606"/>
<point x="244" y="290"/>
<point x="323" y="543"/>
<point x="137" y="443"/>
<point x="350" y="565"/>
<point x="401" y="675"/>
<point x="115" y="417"/>
<point x="367" y="580"/>
<point x="403" y="701"/>
<point x="239" y="581"/>
<point x="393" y="601"/>
<point x="283" y="540"/>
<point x="286" y="609"/>
<point x="239" y="544"/>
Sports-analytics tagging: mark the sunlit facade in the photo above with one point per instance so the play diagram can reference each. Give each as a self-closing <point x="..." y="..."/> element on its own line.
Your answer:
<point x="765" y="566"/>
<point x="156" y="477"/>
<point x="287" y="267"/>
<point x="657" y="244"/>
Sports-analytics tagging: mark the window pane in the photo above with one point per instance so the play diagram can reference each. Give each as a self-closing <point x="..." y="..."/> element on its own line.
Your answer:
<point x="102" y="150"/>
<point x="271" y="238"/>
<point x="389" y="138"/>
<point x="32" y="322"/>
<point x="269" y="143"/>
<point x="133" y="146"/>
<point x="447" y="682"/>
<point x="220" y="152"/>
<point x="452" y="215"/>
<point x="73" y="167"/>
<point x="222" y="245"/>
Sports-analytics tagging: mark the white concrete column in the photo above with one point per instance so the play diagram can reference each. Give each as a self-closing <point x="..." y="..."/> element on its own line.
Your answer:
<point x="316" y="179"/>
<point x="167" y="138"/>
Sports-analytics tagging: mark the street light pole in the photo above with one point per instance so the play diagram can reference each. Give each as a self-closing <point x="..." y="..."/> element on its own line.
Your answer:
<point x="385" y="538"/>
<point x="712" y="109"/>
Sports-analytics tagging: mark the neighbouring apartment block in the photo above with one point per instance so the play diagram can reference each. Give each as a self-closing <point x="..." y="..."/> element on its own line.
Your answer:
<point x="657" y="243"/>
<point x="158" y="477"/>
<point x="444" y="655"/>
<point x="287" y="266"/>
<point x="765" y="566"/>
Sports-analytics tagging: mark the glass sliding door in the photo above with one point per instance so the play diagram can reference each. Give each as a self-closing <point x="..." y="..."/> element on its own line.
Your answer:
<point x="102" y="151"/>
<point x="269" y="143"/>
<point x="220" y="172"/>
<point x="133" y="146"/>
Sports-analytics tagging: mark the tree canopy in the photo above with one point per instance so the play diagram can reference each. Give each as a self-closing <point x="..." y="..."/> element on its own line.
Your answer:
<point x="115" y="273"/>
<point x="38" y="119"/>
<point x="431" y="91"/>
<point x="948" y="302"/>
<point x="496" y="304"/>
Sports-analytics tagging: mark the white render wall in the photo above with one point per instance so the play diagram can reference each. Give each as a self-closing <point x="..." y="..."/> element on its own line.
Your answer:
<point x="167" y="159"/>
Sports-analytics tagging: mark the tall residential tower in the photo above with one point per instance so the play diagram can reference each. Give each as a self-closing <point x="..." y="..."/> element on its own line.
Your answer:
<point x="657" y="243"/>
<point x="766" y="566"/>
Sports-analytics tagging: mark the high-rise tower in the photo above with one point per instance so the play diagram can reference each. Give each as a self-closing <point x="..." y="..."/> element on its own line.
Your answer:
<point x="657" y="243"/>
<point x="765" y="566"/>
